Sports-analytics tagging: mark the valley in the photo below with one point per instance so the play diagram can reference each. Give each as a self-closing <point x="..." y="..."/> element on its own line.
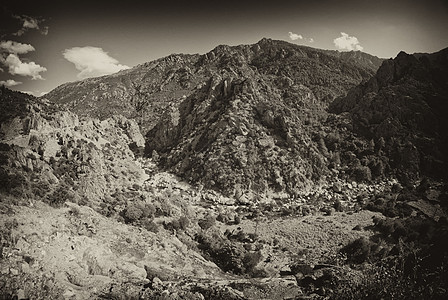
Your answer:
<point x="264" y="171"/>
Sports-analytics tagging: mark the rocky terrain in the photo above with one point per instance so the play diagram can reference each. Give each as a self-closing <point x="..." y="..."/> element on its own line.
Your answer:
<point x="265" y="171"/>
<point x="145" y="91"/>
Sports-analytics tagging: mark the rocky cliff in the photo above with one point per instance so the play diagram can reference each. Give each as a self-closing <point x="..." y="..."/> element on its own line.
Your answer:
<point x="403" y="108"/>
<point x="46" y="150"/>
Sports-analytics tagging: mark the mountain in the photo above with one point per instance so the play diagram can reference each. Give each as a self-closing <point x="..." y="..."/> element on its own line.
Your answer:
<point x="258" y="171"/>
<point x="145" y="91"/>
<point x="241" y="118"/>
<point x="403" y="108"/>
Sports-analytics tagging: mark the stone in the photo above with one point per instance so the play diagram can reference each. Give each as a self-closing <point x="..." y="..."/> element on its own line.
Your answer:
<point x="14" y="272"/>
<point x="157" y="283"/>
<point x="337" y="187"/>
<point x="68" y="294"/>
<point x="21" y="294"/>
<point x="25" y="267"/>
<point x="98" y="261"/>
<point x="131" y="271"/>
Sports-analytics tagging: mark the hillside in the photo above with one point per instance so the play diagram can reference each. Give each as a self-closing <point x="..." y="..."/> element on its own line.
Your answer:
<point x="83" y="217"/>
<point x="403" y="109"/>
<point x="256" y="139"/>
<point x="143" y="92"/>
<point x="265" y="171"/>
<point x="243" y="119"/>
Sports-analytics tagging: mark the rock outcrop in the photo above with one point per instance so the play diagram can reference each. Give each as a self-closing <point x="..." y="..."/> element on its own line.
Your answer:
<point x="49" y="149"/>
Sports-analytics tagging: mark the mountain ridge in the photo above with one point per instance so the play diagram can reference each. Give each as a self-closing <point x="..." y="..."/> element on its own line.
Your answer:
<point x="148" y="88"/>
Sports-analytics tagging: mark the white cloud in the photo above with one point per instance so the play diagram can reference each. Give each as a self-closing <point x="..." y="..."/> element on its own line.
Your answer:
<point x="92" y="61"/>
<point x="294" y="36"/>
<point x="44" y="30"/>
<point x="17" y="67"/>
<point x="10" y="82"/>
<point x="15" y="47"/>
<point x="30" y="23"/>
<point x="346" y="42"/>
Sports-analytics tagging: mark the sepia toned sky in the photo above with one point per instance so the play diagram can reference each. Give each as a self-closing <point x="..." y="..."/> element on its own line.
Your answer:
<point x="45" y="44"/>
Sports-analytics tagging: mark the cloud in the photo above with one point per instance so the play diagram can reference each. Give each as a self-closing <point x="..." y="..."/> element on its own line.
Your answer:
<point x="17" y="67"/>
<point x="92" y="61"/>
<point x="15" y="47"/>
<point x="346" y="42"/>
<point x="44" y="30"/>
<point x="294" y="36"/>
<point x="9" y="57"/>
<point x="10" y="82"/>
<point x="30" y="23"/>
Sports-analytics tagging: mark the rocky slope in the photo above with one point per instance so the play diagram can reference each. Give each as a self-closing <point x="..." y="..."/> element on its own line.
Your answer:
<point x="46" y="150"/>
<point x="278" y="208"/>
<point x="143" y="92"/>
<point x="403" y="110"/>
<point x="255" y="139"/>
<point x="83" y="218"/>
<point x="251" y="121"/>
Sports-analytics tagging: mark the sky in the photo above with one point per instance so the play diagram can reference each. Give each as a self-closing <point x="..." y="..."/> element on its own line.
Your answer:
<point x="44" y="44"/>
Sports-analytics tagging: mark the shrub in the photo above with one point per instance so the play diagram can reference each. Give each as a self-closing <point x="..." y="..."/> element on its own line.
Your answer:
<point x="133" y="213"/>
<point x="207" y="222"/>
<point x="163" y="208"/>
<point x="148" y="211"/>
<point x="222" y="218"/>
<point x="136" y="187"/>
<point x="362" y="173"/>
<point x="150" y="226"/>
<point x="74" y="211"/>
<point x="357" y="251"/>
<point x="60" y="196"/>
<point x="173" y="225"/>
<point x="228" y="255"/>
<point x="237" y="220"/>
<point x="338" y="206"/>
<point x="250" y="260"/>
<point x="184" y="222"/>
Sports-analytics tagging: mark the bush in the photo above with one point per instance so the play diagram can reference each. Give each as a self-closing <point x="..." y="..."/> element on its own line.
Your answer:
<point x="180" y="224"/>
<point x="237" y="220"/>
<point x="222" y="218"/>
<point x="148" y="211"/>
<point x="362" y="174"/>
<point x="357" y="251"/>
<point x="184" y="222"/>
<point x="228" y="255"/>
<point x="207" y="222"/>
<point x="133" y="213"/>
<point x="338" y="206"/>
<point x="150" y="226"/>
<point x="60" y="196"/>
<point x="250" y="260"/>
